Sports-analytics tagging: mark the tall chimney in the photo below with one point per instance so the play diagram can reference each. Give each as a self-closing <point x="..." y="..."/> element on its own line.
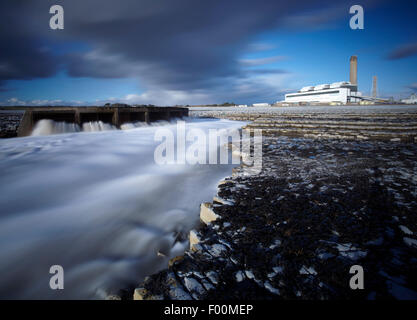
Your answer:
<point x="354" y="70"/>
<point x="374" y="87"/>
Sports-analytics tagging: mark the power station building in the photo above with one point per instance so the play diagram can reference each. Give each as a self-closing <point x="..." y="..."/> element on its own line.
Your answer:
<point x="339" y="92"/>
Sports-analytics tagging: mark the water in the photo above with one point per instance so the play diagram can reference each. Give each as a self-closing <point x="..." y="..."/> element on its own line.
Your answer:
<point x="97" y="204"/>
<point x="48" y="127"/>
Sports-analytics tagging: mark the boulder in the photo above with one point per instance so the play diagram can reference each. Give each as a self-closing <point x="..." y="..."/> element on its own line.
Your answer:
<point x="139" y="294"/>
<point x="207" y="214"/>
<point x="194" y="240"/>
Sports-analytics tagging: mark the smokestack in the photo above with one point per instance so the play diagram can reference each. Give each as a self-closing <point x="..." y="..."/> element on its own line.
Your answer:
<point x="354" y="70"/>
<point x="374" y="87"/>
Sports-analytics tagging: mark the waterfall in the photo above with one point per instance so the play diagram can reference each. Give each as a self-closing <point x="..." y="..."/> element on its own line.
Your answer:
<point x="47" y="127"/>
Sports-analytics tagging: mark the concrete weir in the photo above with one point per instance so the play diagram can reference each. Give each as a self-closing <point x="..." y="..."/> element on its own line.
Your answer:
<point x="116" y="114"/>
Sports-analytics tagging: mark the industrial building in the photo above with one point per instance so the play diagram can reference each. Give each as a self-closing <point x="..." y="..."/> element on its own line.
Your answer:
<point x="411" y="100"/>
<point x="261" y="105"/>
<point x="339" y="92"/>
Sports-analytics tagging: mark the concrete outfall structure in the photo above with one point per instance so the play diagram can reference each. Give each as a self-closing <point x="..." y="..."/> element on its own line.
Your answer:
<point x="115" y="114"/>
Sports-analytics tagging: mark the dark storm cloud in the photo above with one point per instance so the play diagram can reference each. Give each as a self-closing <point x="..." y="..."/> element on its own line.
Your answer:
<point x="318" y="18"/>
<point x="23" y="59"/>
<point x="22" y="55"/>
<point x="176" y="45"/>
<point x="413" y="86"/>
<point x="405" y="51"/>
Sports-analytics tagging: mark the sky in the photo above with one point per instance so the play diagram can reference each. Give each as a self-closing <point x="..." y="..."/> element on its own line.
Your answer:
<point x="187" y="52"/>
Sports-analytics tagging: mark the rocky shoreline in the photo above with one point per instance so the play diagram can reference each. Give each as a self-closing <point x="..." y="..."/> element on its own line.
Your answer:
<point x="318" y="207"/>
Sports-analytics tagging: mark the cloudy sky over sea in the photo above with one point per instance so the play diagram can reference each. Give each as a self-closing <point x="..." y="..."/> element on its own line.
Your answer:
<point x="171" y="52"/>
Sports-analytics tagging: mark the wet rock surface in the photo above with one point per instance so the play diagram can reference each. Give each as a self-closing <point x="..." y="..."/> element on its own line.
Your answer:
<point x="318" y="207"/>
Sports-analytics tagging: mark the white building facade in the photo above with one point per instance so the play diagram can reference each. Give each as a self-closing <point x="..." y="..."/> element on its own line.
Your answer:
<point x="338" y="92"/>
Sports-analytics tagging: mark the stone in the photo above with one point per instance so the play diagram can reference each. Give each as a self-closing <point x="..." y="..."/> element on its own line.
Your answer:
<point x="139" y="294"/>
<point x="176" y="290"/>
<point x="406" y="230"/>
<point x="270" y="288"/>
<point x="239" y="276"/>
<point x="213" y="277"/>
<point x="222" y="182"/>
<point x="216" y="249"/>
<point x="194" y="240"/>
<point x="174" y="260"/>
<point x="194" y="287"/>
<point x="179" y="294"/>
<point x="223" y="201"/>
<point x="411" y="242"/>
<point x="207" y="214"/>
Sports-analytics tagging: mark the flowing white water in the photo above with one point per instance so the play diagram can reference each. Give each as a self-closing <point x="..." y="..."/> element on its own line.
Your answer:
<point x="97" y="204"/>
<point x="97" y="126"/>
<point x="47" y="127"/>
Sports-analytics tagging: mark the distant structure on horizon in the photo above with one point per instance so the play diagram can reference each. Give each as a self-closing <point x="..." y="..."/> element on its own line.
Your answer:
<point x="411" y="100"/>
<point x="374" y="87"/>
<point x="342" y="92"/>
<point x="262" y="104"/>
<point x="354" y="70"/>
